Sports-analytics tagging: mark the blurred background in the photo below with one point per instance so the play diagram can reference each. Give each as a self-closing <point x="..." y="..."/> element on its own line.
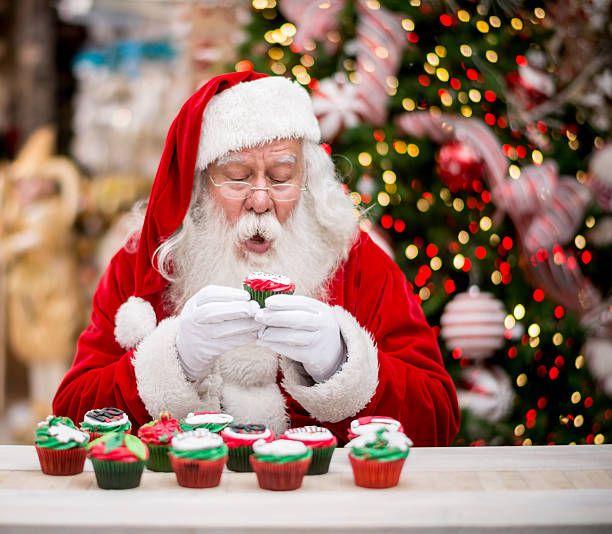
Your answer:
<point x="472" y="136"/>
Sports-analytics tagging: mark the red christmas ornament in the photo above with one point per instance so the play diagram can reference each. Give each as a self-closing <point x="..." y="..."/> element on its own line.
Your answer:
<point x="458" y="165"/>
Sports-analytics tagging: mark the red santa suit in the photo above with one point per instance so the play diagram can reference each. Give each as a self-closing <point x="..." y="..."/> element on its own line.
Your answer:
<point x="127" y="356"/>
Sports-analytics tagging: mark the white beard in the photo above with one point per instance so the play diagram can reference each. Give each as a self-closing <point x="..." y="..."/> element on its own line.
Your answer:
<point x="211" y="252"/>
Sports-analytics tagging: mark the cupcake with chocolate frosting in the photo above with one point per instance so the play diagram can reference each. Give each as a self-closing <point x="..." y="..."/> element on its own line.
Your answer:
<point x="239" y="440"/>
<point x="102" y="420"/>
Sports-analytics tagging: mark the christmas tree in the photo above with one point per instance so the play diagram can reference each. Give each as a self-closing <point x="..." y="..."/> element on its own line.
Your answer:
<point x="466" y="133"/>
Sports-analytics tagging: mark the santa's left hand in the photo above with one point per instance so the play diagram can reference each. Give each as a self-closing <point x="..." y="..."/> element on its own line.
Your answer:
<point x="304" y="330"/>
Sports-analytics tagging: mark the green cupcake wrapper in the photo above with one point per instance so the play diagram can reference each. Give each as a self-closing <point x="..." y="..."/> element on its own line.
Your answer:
<point x="158" y="458"/>
<point x="321" y="458"/>
<point x="117" y="475"/>
<point x="261" y="296"/>
<point x="238" y="459"/>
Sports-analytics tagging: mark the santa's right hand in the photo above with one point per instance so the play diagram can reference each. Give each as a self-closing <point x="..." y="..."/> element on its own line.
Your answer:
<point x="216" y="319"/>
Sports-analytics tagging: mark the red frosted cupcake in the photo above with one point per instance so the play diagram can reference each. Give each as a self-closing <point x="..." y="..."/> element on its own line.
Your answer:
<point x="157" y="436"/>
<point x="239" y="440"/>
<point x="102" y="420"/>
<point x="60" y="446"/>
<point x="263" y="285"/>
<point x="377" y="458"/>
<point x="118" y="460"/>
<point x="320" y="440"/>
<point x="372" y="423"/>
<point x="198" y="457"/>
<point x="280" y="465"/>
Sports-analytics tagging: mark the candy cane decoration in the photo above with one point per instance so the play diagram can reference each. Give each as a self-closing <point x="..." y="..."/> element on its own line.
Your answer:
<point x="544" y="215"/>
<point x="379" y="45"/>
<point x="314" y="20"/>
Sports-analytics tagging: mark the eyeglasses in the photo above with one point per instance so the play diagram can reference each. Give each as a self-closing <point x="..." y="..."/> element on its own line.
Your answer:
<point x="237" y="190"/>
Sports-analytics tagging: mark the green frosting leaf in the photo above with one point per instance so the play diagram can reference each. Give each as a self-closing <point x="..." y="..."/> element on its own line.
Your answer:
<point x="114" y="441"/>
<point x="135" y="446"/>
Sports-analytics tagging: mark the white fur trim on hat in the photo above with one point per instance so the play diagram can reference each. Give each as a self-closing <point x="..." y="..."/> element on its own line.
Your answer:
<point x="135" y="319"/>
<point x="160" y="379"/>
<point x="256" y="112"/>
<point x="350" y="389"/>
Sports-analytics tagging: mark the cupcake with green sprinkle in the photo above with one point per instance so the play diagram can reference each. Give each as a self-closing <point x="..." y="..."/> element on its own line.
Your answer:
<point x="263" y="285"/>
<point x="197" y="458"/>
<point x="280" y="465"/>
<point x="213" y="421"/>
<point x="60" y="446"/>
<point x="377" y="458"/>
<point x="118" y="460"/>
<point x="157" y="436"/>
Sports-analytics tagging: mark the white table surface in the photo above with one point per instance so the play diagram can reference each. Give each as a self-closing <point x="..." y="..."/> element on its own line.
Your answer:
<point x="484" y="489"/>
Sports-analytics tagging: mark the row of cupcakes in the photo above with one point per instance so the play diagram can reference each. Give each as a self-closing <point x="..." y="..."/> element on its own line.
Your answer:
<point x="379" y="449"/>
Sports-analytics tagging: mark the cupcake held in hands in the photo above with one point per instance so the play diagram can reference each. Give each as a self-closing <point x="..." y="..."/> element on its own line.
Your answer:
<point x="198" y="457"/>
<point x="60" y="446"/>
<point x="157" y="436"/>
<point x="280" y="465"/>
<point x="263" y="285"/>
<point x="118" y="460"/>
<point x="377" y="458"/>
<point x="103" y="420"/>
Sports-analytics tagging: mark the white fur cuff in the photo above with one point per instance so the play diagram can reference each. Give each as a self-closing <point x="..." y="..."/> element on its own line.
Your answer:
<point x="348" y="391"/>
<point x="160" y="380"/>
<point x="135" y="319"/>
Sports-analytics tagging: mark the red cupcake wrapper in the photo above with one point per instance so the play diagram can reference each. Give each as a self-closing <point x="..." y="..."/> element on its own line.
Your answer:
<point x="280" y="477"/>
<point x="197" y="473"/>
<point x="61" y="462"/>
<point x="376" y="474"/>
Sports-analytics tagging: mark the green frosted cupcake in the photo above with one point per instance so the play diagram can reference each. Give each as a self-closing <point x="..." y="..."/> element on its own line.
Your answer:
<point x="198" y="457"/>
<point x="280" y="465"/>
<point x="263" y="285"/>
<point x="213" y="421"/>
<point x="118" y="460"/>
<point x="102" y="420"/>
<point x="157" y="436"/>
<point x="60" y="446"/>
<point x="377" y="458"/>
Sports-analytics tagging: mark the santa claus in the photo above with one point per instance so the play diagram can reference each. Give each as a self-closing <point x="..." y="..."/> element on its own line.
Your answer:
<point x="243" y="185"/>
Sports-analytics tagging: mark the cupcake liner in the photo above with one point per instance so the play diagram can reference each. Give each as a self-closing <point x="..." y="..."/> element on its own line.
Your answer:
<point x="280" y="477"/>
<point x="117" y="475"/>
<point x="321" y="457"/>
<point x="197" y="473"/>
<point x="158" y="458"/>
<point x="61" y="462"/>
<point x="376" y="474"/>
<point x="261" y="296"/>
<point x="238" y="459"/>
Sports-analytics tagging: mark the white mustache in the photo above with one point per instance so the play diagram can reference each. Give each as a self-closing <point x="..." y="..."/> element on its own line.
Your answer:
<point x="251" y="224"/>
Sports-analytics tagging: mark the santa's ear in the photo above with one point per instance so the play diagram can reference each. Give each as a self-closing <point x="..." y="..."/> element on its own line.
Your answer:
<point x="135" y="319"/>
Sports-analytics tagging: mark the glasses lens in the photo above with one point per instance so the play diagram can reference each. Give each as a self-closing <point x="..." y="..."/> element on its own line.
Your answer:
<point x="284" y="192"/>
<point x="235" y="190"/>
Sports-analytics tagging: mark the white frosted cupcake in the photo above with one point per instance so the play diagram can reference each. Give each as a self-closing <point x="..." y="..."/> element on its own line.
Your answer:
<point x="280" y="465"/>
<point x="213" y="421"/>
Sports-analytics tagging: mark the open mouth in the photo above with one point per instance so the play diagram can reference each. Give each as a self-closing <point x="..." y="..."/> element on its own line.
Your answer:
<point x="258" y="244"/>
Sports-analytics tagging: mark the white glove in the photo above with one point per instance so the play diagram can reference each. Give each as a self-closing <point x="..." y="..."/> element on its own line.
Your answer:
<point x="304" y="330"/>
<point x="213" y="321"/>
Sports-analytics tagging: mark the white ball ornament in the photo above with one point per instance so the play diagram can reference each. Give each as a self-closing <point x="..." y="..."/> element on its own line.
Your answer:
<point x="473" y="322"/>
<point x="486" y="392"/>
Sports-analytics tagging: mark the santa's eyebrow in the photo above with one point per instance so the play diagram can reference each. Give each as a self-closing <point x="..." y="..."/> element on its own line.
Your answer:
<point x="286" y="158"/>
<point x="230" y="158"/>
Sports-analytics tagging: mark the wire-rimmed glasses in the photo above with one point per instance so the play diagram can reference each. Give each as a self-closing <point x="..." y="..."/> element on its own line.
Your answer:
<point x="239" y="190"/>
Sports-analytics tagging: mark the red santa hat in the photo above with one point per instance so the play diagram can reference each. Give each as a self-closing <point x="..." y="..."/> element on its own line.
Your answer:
<point x="232" y="111"/>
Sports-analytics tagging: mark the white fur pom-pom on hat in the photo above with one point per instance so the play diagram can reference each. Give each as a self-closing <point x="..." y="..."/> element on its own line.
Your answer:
<point x="135" y="320"/>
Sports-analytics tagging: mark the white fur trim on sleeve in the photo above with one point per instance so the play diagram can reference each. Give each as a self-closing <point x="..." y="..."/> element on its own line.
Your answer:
<point x="256" y="112"/>
<point x="135" y="319"/>
<point x="160" y="380"/>
<point x="349" y="390"/>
